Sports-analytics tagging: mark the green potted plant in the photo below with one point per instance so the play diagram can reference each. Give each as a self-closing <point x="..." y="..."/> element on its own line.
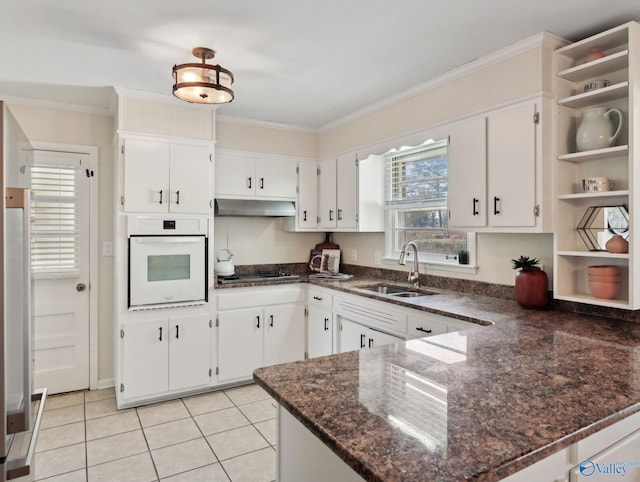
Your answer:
<point x="463" y="256"/>
<point x="532" y="284"/>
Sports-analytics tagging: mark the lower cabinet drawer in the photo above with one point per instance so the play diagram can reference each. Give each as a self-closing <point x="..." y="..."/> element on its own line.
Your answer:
<point x="420" y="326"/>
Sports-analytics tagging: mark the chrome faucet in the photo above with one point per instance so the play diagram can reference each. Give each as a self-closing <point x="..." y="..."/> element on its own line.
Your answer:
<point x="414" y="276"/>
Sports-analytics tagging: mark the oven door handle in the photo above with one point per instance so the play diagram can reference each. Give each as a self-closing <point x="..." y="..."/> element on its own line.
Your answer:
<point x="169" y="239"/>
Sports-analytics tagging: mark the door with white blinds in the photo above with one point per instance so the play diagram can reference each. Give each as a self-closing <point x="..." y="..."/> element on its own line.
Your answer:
<point x="60" y="203"/>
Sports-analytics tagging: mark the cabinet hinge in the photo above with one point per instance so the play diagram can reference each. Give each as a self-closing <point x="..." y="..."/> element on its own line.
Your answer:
<point x="210" y="372"/>
<point x="210" y="323"/>
<point x="306" y="355"/>
<point x="536" y="210"/>
<point x="217" y="321"/>
<point x="306" y="312"/>
<point x="317" y="219"/>
<point x="121" y="200"/>
<point x="297" y="169"/>
<point x="210" y="157"/>
<point x="536" y="118"/>
<point x="122" y="387"/>
<point x="217" y="370"/>
<point x="122" y="149"/>
<point x="317" y="171"/>
<point x="121" y="333"/>
<point x="210" y="203"/>
<point x="297" y="190"/>
<point x="357" y="219"/>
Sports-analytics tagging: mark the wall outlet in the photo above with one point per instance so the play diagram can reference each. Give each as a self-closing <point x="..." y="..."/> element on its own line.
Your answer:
<point x="354" y="254"/>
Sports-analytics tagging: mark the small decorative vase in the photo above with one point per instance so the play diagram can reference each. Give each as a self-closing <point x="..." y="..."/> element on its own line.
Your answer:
<point x="532" y="288"/>
<point x="617" y="244"/>
<point x="463" y="258"/>
<point x="596" y="130"/>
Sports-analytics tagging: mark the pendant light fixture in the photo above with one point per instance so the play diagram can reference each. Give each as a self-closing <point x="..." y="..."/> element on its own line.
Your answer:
<point x="203" y="83"/>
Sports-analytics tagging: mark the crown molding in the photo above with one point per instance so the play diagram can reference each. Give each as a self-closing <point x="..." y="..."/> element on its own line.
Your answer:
<point x="56" y="105"/>
<point x="542" y="39"/>
<point x="265" y="124"/>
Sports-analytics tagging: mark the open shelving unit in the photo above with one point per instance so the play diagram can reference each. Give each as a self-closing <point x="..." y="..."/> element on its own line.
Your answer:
<point x="619" y="163"/>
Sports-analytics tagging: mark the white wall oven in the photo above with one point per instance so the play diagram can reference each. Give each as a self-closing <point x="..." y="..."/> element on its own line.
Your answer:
<point x="167" y="261"/>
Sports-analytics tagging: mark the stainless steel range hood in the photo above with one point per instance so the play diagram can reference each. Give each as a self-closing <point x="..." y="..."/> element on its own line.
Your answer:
<point x="252" y="207"/>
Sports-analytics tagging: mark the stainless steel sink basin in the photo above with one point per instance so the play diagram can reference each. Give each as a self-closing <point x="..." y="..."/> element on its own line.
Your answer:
<point x="396" y="291"/>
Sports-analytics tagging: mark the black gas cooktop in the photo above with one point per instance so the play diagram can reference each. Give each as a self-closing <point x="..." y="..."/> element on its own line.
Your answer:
<point x="256" y="277"/>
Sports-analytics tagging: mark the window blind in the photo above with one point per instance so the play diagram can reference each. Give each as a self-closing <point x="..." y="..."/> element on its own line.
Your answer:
<point x="416" y="178"/>
<point x="54" y="220"/>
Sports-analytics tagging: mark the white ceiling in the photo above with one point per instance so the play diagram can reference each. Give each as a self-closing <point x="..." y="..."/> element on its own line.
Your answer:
<point x="298" y="62"/>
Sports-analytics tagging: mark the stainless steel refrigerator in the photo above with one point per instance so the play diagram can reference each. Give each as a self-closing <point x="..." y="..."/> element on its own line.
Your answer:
<point x="22" y="408"/>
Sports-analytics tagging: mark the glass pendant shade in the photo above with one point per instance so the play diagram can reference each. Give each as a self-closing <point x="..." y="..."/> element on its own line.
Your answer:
<point x="203" y="83"/>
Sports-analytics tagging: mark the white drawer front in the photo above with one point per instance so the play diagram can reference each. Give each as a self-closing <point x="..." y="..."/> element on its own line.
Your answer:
<point x="419" y="326"/>
<point x="234" y="298"/>
<point x="320" y="298"/>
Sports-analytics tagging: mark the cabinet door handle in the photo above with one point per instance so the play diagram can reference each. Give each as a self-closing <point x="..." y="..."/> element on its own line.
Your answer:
<point x="304" y="215"/>
<point x="326" y="324"/>
<point x="362" y="336"/>
<point x="160" y="196"/>
<point x="496" y="200"/>
<point x="319" y="298"/>
<point x="339" y="214"/>
<point x="262" y="183"/>
<point x="330" y="214"/>
<point x="475" y="206"/>
<point x="271" y="321"/>
<point x="249" y="182"/>
<point x="177" y="331"/>
<point x="422" y="329"/>
<point x="160" y="337"/>
<point x="370" y="342"/>
<point x="258" y="318"/>
<point x="177" y="197"/>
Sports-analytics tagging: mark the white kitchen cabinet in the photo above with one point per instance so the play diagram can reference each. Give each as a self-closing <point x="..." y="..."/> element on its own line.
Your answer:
<point x="257" y="327"/>
<point x="467" y="173"/>
<point x="284" y="333"/>
<point x="163" y="355"/>
<point x="350" y="195"/>
<point x="619" y="163"/>
<point x="511" y="190"/>
<point x="319" y="332"/>
<point x="307" y="205"/>
<point x="354" y="336"/>
<point x="166" y="177"/>
<point x="240" y="343"/>
<point x="240" y="175"/>
<point x="426" y="324"/>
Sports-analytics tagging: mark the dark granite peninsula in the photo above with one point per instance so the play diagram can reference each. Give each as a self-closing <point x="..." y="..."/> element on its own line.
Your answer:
<point x="529" y="398"/>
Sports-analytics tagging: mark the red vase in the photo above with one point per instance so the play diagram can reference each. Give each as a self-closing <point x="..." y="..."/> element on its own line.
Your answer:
<point x="532" y="288"/>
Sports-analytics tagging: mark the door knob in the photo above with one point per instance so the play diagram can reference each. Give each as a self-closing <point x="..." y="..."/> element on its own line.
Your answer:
<point x="81" y="287"/>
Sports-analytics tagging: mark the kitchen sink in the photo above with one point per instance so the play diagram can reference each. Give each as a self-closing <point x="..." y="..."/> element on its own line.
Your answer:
<point x="396" y="291"/>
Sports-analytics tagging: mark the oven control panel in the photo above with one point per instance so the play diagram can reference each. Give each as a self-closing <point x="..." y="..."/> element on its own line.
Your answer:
<point x="149" y="225"/>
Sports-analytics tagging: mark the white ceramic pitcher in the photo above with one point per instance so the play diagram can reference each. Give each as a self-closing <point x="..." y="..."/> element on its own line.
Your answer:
<point x="595" y="131"/>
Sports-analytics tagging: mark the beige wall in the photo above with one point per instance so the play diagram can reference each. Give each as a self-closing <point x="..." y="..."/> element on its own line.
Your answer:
<point x="69" y="127"/>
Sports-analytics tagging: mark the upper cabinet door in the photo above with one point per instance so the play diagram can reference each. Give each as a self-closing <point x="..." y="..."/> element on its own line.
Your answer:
<point x="276" y="178"/>
<point x="190" y="182"/>
<point x="234" y="175"/>
<point x="146" y="176"/>
<point x="511" y="151"/>
<point x="347" y="193"/>
<point x="467" y="174"/>
<point x="327" y="194"/>
<point x="307" y="195"/>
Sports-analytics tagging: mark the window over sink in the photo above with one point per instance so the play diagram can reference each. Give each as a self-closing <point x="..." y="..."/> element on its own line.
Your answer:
<point x="416" y="189"/>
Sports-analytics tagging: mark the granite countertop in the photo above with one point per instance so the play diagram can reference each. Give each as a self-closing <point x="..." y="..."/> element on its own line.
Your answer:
<point x="485" y="402"/>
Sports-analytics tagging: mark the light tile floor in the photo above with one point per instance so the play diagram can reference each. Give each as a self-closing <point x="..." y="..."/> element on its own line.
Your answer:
<point x="227" y="436"/>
